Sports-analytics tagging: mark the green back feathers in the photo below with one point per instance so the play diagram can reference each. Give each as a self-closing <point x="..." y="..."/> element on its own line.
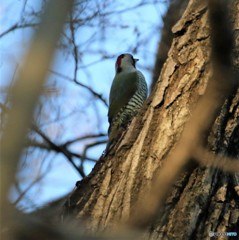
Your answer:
<point x="122" y="90"/>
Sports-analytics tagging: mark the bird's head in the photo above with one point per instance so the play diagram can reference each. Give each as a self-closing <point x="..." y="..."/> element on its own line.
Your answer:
<point x="125" y="62"/>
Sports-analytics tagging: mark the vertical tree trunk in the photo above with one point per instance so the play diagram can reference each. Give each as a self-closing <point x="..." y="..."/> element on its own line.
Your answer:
<point x="203" y="199"/>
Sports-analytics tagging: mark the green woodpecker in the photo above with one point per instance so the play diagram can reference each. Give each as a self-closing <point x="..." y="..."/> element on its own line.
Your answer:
<point x="127" y="95"/>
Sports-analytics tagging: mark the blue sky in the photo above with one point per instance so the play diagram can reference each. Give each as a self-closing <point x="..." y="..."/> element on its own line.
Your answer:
<point x="76" y="110"/>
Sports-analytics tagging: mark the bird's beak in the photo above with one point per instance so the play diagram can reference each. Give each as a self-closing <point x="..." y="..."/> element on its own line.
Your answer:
<point x="136" y="59"/>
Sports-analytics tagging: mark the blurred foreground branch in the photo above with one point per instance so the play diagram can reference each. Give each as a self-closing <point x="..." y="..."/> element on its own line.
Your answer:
<point x="26" y="91"/>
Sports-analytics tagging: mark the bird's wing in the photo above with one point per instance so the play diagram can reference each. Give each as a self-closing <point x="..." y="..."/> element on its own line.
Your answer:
<point x="122" y="90"/>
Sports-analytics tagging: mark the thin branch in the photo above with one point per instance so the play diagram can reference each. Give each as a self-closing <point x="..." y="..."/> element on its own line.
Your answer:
<point x="87" y="147"/>
<point x="75" y="48"/>
<point x="101" y="13"/>
<point x="90" y="145"/>
<point x="94" y="93"/>
<point x="18" y="26"/>
<point x="83" y="138"/>
<point x="59" y="149"/>
<point x="23" y="193"/>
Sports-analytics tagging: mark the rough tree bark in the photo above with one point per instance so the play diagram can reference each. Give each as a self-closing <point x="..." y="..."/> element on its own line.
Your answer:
<point x="175" y="11"/>
<point x="203" y="199"/>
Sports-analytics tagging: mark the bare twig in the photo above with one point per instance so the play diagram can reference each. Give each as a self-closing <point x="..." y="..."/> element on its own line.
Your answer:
<point x="60" y="149"/>
<point x="83" y="138"/>
<point x="17" y="26"/>
<point x="75" y="48"/>
<point x="57" y="148"/>
<point x="82" y="85"/>
<point x="34" y="182"/>
<point x="87" y="147"/>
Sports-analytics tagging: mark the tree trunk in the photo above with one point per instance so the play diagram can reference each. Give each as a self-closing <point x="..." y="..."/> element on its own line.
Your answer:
<point x="203" y="199"/>
<point x="173" y="14"/>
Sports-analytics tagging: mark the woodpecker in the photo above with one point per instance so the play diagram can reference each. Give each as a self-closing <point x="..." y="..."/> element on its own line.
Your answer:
<point x="127" y="95"/>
